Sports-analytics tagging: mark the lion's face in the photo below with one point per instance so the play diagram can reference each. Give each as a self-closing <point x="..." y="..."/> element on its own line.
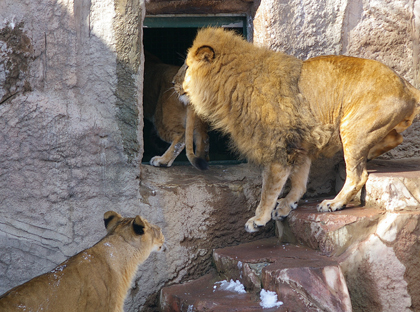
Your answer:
<point x="178" y="82"/>
<point x="138" y="232"/>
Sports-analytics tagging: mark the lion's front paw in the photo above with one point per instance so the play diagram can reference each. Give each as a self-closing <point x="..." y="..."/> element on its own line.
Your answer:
<point x="157" y="161"/>
<point x="329" y="206"/>
<point x="282" y="209"/>
<point x="253" y="225"/>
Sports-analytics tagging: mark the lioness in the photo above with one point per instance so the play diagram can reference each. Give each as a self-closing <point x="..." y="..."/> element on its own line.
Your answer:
<point x="281" y="112"/>
<point x="96" y="279"/>
<point x="168" y="113"/>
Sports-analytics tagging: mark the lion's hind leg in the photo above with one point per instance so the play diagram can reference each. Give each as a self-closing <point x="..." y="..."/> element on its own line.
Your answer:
<point x="391" y="140"/>
<point x="274" y="177"/>
<point x="356" y="177"/>
<point x="355" y="156"/>
<point x="298" y="179"/>
<point x="171" y="153"/>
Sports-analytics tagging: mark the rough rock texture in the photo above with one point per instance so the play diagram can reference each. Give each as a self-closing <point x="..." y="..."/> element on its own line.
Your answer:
<point x="203" y="295"/>
<point x="394" y="185"/>
<point x="331" y="233"/>
<point x="197" y="212"/>
<point x="197" y="6"/>
<point x="63" y="156"/>
<point x="302" y="279"/>
<point x="382" y="271"/>
<point x="377" y="251"/>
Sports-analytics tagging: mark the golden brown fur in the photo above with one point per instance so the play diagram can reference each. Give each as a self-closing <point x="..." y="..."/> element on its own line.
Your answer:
<point x="96" y="279"/>
<point x="168" y="113"/>
<point x="281" y="112"/>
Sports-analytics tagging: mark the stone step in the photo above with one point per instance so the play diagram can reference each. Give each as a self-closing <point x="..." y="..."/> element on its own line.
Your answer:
<point x="203" y="295"/>
<point x="329" y="232"/>
<point x="301" y="277"/>
<point x="303" y="280"/>
<point x="393" y="185"/>
<point x="376" y="244"/>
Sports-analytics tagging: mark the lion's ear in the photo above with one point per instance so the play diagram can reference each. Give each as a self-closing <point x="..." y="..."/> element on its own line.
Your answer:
<point x="205" y="53"/>
<point x="110" y="219"/>
<point x="138" y="225"/>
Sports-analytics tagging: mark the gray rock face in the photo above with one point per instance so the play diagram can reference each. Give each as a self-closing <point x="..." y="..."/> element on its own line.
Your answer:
<point x="65" y="159"/>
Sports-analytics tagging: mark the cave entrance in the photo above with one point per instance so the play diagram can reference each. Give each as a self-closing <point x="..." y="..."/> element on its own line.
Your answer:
<point x="168" y="37"/>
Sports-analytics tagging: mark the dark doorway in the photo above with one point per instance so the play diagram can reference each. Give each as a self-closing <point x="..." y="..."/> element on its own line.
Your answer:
<point x="169" y="38"/>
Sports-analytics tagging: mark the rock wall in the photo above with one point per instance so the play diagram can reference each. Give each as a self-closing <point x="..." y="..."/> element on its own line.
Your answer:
<point x="70" y="84"/>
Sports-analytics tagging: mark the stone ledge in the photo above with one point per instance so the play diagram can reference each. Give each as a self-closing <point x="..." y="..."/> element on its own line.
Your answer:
<point x="329" y="232"/>
<point x="393" y="185"/>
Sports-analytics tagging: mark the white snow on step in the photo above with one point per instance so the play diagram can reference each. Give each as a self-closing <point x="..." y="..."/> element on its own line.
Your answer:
<point x="269" y="299"/>
<point x="233" y="286"/>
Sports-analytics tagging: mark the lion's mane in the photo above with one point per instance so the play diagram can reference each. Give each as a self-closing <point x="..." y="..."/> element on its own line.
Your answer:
<point x="252" y="94"/>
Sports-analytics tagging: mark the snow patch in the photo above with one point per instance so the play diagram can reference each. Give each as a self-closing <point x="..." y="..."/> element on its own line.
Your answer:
<point x="269" y="299"/>
<point x="233" y="286"/>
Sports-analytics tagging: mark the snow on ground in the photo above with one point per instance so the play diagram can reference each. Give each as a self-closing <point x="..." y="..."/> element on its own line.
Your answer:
<point x="234" y="286"/>
<point x="268" y="298"/>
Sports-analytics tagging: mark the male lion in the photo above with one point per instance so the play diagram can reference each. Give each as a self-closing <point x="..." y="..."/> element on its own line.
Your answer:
<point x="172" y="117"/>
<point x="281" y="112"/>
<point x="96" y="279"/>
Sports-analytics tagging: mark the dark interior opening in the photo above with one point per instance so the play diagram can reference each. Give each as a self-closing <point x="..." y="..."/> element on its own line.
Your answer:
<point x="170" y="45"/>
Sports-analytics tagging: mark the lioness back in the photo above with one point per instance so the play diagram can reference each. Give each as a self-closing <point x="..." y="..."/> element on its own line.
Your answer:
<point x="96" y="279"/>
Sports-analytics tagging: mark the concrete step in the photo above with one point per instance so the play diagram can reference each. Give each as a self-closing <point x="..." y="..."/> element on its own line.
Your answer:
<point x="303" y="280"/>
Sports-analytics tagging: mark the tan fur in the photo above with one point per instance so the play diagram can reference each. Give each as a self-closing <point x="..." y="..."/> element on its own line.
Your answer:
<point x="168" y="114"/>
<point x="281" y="112"/>
<point x="96" y="279"/>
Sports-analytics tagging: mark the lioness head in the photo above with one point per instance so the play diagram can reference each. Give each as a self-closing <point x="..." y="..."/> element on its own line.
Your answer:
<point x="138" y="232"/>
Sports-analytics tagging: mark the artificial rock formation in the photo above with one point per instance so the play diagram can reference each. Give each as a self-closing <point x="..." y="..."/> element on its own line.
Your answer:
<point x="71" y="127"/>
<point x="377" y="247"/>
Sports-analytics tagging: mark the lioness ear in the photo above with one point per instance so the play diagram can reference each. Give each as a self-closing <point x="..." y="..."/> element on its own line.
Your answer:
<point x="139" y="225"/>
<point x="205" y="53"/>
<point x="110" y="219"/>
